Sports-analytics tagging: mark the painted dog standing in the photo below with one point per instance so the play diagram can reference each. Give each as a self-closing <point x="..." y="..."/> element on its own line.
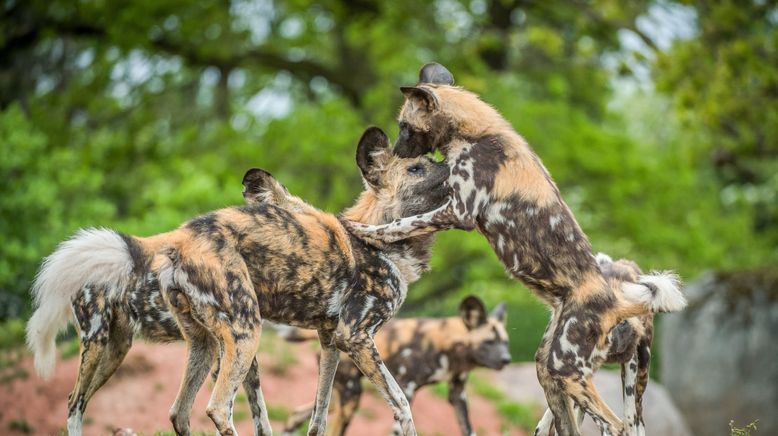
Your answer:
<point x="94" y="278"/>
<point x="220" y="272"/>
<point x="424" y="351"/>
<point x="500" y="187"/>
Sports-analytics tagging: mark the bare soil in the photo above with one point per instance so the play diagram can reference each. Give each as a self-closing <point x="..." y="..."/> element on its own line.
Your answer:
<point x="137" y="398"/>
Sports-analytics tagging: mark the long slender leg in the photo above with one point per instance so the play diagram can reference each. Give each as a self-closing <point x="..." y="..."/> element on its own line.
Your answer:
<point x="545" y="424"/>
<point x="363" y="353"/>
<point x="644" y="365"/>
<point x="119" y="343"/>
<point x="328" y="364"/>
<point x="553" y="382"/>
<point x="458" y="400"/>
<point x="441" y="218"/>
<point x="629" y="373"/>
<point x="94" y="319"/>
<point x="252" y="386"/>
<point x="346" y="408"/>
<point x="584" y="393"/>
<point x="201" y="354"/>
<point x="237" y="348"/>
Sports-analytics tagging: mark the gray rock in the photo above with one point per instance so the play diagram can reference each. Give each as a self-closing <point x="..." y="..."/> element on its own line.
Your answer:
<point x="662" y="418"/>
<point x="719" y="357"/>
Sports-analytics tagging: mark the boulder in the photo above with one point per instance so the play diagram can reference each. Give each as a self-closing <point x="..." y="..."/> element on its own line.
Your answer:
<point x="719" y="357"/>
<point x="662" y="418"/>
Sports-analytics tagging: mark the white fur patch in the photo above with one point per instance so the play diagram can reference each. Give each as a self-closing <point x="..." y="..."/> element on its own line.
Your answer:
<point x="603" y="259"/>
<point x="668" y="298"/>
<point x="92" y="256"/>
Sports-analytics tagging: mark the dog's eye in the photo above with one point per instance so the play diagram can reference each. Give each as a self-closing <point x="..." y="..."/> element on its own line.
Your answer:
<point x="416" y="169"/>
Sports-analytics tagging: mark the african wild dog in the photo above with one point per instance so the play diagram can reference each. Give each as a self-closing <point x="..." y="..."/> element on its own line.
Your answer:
<point x="218" y="273"/>
<point x="423" y="351"/>
<point x="628" y="344"/>
<point x="500" y="187"/>
<point x="296" y="261"/>
<point x="94" y="277"/>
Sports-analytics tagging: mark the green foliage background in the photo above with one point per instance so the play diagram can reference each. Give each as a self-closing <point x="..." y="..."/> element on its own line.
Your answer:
<point x="657" y="119"/>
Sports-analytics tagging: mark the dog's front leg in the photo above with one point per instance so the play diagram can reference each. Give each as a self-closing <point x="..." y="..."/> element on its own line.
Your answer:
<point x="457" y="398"/>
<point x="362" y="351"/>
<point x="328" y="365"/>
<point x="252" y="386"/>
<point x="442" y="218"/>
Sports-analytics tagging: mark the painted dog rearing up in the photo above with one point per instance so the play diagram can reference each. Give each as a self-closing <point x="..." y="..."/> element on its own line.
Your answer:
<point x="500" y="187"/>
<point x="223" y="271"/>
<point x="424" y="351"/>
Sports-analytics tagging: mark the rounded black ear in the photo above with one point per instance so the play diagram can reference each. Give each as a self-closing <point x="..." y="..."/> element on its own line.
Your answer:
<point x="472" y="311"/>
<point x="260" y="186"/>
<point x="499" y="313"/>
<point x="372" y="150"/>
<point x="436" y="74"/>
<point x="422" y="96"/>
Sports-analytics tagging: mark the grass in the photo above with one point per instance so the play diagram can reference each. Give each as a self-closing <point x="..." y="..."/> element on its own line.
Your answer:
<point x="277" y="413"/>
<point x="742" y="431"/>
<point x="11" y="334"/>
<point x="71" y="348"/>
<point x="440" y="390"/>
<point x="20" y="425"/>
<point x="280" y="351"/>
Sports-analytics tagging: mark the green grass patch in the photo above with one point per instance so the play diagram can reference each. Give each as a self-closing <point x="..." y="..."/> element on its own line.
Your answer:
<point x="11" y="334"/>
<point x="71" y="348"/>
<point x="278" y="413"/>
<point x="20" y="425"/>
<point x="742" y="431"/>
<point x="440" y="390"/>
<point x="239" y="415"/>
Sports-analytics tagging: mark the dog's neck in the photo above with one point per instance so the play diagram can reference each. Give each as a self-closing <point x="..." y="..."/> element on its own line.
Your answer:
<point x="411" y="255"/>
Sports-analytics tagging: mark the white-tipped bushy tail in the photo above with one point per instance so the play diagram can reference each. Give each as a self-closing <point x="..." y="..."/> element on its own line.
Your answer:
<point x="91" y="256"/>
<point x="657" y="291"/>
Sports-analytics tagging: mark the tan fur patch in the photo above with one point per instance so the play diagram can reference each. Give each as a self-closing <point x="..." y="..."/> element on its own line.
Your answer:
<point x="521" y="174"/>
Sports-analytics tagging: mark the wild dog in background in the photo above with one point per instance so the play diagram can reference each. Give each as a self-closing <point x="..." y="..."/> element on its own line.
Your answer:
<point x="629" y="345"/>
<point x="420" y="352"/>
<point x="284" y="264"/>
<point x="500" y="187"/>
<point x="220" y="272"/>
<point x="98" y="278"/>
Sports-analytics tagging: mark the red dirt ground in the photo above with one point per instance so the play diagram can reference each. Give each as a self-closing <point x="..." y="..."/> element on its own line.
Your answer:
<point x="139" y="395"/>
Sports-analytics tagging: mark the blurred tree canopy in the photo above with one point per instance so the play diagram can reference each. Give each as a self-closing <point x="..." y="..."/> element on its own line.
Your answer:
<point x="140" y="114"/>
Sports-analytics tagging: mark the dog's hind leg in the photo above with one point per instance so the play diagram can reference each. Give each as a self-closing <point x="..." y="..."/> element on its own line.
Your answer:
<point x="238" y="347"/>
<point x="560" y="410"/>
<point x="644" y="364"/>
<point x="362" y="351"/>
<point x="93" y="317"/>
<point x="119" y="343"/>
<point x="629" y="373"/>
<point x="346" y="396"/>
<point x="251" y="385"/>
<point x="328" y="365"/>
<point x="583" y="392"/>
<point x="201" y="352"/>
